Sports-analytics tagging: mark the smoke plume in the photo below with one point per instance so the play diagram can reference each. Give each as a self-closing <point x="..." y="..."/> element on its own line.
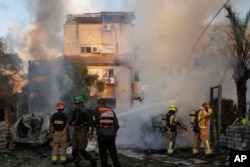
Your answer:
<point x="166" y="33"/>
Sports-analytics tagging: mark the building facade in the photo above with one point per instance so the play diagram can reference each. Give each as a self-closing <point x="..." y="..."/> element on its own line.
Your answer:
<point x="104" y="43"/>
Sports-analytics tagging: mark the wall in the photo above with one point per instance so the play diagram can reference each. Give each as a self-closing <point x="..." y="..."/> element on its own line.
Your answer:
<point x="116" y="50"/>
<point x="236" y="138"/>
<point x="3" y="135"/>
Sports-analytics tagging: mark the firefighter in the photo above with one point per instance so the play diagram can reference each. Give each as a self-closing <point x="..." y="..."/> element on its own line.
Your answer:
<point x="57" y="134"/>
<point x="83" y="130"/>
<point x="107" y="126"/>
<point x="240" y="121"/>
<point x="196" y="129"/>
<point x="171" y="127"/>
<point x="204" y="114"/>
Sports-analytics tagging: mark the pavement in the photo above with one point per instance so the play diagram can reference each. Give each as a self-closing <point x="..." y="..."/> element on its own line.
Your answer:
<point x="129" y="157"/>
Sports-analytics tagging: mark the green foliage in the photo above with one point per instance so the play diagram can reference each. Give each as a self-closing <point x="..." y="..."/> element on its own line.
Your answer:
<point x="100" y="85"/>
<point x="228" y="113"/>
<point x="10" y="65"/>
<point x="82" y="81"/>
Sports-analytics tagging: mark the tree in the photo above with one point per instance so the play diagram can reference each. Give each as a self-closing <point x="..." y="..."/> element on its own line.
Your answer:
<point x="239" y="42"/>
<point x="10" y="67"/>
<point x="53" y="80"/>
<point x="83" y="81"/>
<point x="228" y="112"/>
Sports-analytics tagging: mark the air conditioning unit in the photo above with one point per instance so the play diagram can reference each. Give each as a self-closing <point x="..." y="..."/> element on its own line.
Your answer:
<point x="106" y="27"/>
<point x="95" y="50"/>
<point x="110" y="80"/>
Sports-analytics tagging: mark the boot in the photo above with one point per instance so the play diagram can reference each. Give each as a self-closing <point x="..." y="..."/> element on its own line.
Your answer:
<point x="93" y="163"/>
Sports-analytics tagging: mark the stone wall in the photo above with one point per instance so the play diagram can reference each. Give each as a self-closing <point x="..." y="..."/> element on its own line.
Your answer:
<point x="236" y="138"/>
<point x="3" y="135"/>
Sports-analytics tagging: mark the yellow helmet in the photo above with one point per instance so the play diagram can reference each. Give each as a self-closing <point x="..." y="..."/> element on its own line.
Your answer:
<point x="243" y="121"/>
<point x="172" y="107"/>
<point x="192" y="113"/>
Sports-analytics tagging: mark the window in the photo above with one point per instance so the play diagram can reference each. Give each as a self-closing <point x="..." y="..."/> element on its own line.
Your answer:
<point x="85" y="49"/>
<point x="110" y="73"/>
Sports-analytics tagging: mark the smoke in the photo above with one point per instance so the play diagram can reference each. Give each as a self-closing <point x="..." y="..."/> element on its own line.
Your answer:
<point x="168" y="36"/>
<point x="44" y="39"/>
<point x="166" y="32"/>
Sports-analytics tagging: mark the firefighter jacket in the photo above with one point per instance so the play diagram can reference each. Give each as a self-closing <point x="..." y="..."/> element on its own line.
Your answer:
<point x="203" y="117"/>
<point x="172" y="122"/>
<point x="80" y="117"/>
<point x="106" y="121"/>
<point x="59" y="120"/>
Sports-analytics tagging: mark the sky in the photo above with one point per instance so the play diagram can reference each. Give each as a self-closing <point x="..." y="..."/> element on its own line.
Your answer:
<point x="165" y="32"/>
<point x="16" y="13"/>
<point x="17" y="18"/>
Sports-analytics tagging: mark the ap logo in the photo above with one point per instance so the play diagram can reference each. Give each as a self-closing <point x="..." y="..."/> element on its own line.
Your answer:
<point x="239" y="158"/>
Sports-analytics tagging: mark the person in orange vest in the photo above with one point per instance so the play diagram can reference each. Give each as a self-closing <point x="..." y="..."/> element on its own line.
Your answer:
<point x="107" y="126"/>
<point x="204" y="115"/>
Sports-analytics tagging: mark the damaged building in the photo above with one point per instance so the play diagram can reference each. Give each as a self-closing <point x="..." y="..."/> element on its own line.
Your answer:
<point x="104" y="43"/>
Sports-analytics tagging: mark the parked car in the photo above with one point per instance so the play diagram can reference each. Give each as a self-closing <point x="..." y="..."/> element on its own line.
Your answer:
<point x="32" y="129"/>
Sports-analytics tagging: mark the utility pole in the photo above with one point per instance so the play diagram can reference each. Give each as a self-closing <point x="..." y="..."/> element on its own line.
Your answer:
<point x="215" y="123"/>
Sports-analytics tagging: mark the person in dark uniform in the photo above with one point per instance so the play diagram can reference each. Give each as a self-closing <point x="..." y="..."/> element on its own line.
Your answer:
<point x="83" y="130"/>
<point x="57" y="134"/>
<point x="107" y="126"/>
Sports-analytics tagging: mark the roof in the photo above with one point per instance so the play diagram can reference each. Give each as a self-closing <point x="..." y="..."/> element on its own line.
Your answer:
<point x="102" y="17"/>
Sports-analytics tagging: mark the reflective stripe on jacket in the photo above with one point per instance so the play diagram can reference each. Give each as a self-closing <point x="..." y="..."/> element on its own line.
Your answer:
<point x="106" y="117"/>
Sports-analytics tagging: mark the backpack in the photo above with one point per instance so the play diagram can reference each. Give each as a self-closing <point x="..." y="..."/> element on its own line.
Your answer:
<point x="172" y="127"/>
<point x="194" y="120"/>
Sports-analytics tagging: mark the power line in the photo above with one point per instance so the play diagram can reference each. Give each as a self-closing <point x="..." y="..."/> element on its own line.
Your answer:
<point x="207" y="28"/>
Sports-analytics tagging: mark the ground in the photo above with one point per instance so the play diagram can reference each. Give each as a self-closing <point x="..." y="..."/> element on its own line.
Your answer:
<point x="26" y="156"/>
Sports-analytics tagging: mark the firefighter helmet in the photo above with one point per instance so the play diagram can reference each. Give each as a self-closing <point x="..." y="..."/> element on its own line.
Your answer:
<point x="204" y="105"/>
<point x="243" y="121"/>
<point x="80" y="99"/>
<point x="60" y="105"/>
<point x="172" y="107"/>
<point x="75" y="100"/>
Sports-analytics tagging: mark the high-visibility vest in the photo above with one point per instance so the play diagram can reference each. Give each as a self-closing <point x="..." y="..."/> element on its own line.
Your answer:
<point x="106" y="117"/>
